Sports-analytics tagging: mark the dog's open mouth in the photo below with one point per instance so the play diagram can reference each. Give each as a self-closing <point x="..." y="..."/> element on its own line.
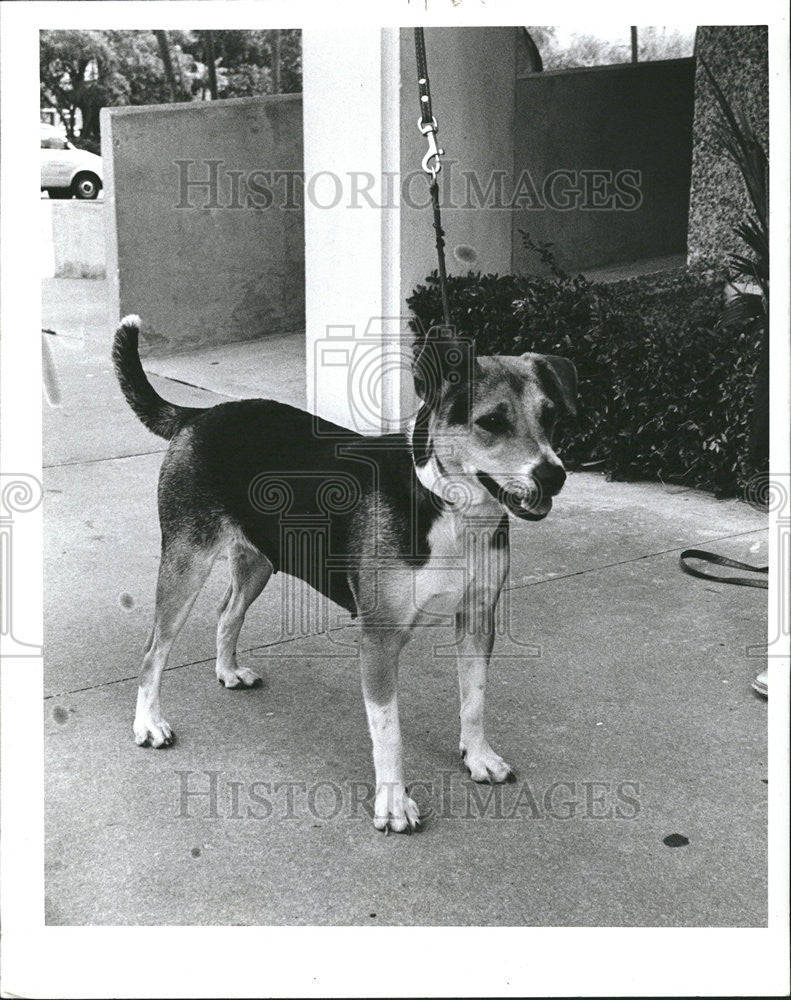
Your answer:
<point x="524" y="505"/>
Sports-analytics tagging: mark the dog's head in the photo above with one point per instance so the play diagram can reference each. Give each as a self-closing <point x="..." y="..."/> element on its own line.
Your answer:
<point x="491" y="421"/>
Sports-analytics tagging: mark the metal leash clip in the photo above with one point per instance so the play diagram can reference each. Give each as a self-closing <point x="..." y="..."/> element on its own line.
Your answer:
<point x="429" y="130"/>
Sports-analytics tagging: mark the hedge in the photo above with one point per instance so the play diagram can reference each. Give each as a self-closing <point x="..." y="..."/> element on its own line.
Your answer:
<point x="665" y="393"/>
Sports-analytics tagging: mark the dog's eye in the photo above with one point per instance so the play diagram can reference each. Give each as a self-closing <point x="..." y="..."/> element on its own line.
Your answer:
<point x="547" y="414"/>
<point x="493" y="423"/>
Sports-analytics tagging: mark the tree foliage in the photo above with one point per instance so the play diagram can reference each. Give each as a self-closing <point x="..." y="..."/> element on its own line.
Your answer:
<point x="87" y="70"/>
<point x="585" y="49"/>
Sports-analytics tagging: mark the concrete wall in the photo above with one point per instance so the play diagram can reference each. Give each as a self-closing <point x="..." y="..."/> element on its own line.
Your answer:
<point x="212" y="264"/>
<point x="614" y="119"/>
<point x="72" y="239"/>
<point x="738" y="58"/>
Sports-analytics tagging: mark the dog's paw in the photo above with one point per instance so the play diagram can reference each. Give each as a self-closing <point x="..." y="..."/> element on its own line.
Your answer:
<point x="486" y="765"/>
<point x="237" y="677"/>
<point x="153" y="732"/>
<point x="394" y="810"/>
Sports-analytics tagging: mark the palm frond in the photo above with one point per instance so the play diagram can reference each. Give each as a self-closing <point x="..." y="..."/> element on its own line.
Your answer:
<point x="743" y="311"/>
<point x="744" y="148"/>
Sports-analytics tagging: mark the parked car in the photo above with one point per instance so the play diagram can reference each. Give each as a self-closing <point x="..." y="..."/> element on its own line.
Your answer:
<point x="51" y="117"/>
<point x="68" y="172"/>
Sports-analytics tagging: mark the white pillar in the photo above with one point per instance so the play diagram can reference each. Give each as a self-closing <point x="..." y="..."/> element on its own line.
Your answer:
<point x="352" y="244"/>
<point x="366" y="250"/>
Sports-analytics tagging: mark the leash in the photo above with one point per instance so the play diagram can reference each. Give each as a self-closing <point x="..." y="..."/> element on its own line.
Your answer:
<point x="711" y="557"/>
<point x="432" y="164"/>
<point x="427" y="124"/>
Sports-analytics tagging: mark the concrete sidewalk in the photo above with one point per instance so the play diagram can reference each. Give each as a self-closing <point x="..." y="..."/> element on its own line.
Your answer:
<point x="620" y="694"/>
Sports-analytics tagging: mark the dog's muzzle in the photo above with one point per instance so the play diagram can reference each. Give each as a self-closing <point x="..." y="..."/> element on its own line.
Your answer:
<point x="529" y="501"/>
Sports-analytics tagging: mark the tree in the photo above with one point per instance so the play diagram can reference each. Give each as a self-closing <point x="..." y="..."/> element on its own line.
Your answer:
<point x="250" y="62"/>
<point x="89" y="70"/>
<point x="586" y="49"/>
<point x="590" y="50"/>
<point x="167" y="64"/>
<point x="544" y="37"/>
<point x="78" y="72"/>
<point x="208" y="43"/>
<point x="663" y="43"/>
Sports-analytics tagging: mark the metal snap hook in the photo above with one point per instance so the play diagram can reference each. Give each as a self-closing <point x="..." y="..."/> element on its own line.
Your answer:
<point x="434" y="152"/>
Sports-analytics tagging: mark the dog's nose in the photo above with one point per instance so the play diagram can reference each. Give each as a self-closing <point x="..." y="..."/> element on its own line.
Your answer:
<point x="550" y="477"/>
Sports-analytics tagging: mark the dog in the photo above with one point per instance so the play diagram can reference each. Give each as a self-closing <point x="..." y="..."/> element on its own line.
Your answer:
<point x="413" y="528"/>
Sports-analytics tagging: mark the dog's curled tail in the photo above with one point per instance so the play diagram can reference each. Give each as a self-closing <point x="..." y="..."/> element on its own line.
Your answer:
<point x="159" y="416"/>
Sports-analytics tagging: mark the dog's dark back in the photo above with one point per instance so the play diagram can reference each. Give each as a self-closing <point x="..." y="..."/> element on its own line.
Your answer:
<point x="300" y="488"/>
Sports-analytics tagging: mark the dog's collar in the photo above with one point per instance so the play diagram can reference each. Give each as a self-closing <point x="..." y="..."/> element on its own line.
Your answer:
<point x="453" y="490"/>
<point x="420" y="444"/>
<point x="460" y="492"/>
<point x="426" y="465"/>
<point x="430" y="476"/>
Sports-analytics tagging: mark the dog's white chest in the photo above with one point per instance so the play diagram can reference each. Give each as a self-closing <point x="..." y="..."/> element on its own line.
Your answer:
<point x="438" y="586"/>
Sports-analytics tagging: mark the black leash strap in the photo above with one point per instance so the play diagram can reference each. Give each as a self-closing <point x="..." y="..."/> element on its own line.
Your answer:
<point x="426" y="116"/>
<point x="427" y="124"/>
<point x="711" y="557"/>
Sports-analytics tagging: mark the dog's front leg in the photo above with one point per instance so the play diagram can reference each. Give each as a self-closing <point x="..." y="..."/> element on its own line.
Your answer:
<point x="474" y="642"/>
<point x="393" y="809"/>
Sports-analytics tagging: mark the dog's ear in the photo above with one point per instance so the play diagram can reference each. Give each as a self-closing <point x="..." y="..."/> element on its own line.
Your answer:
<point x="444" y="359"/>
<point x="558" y="374"/>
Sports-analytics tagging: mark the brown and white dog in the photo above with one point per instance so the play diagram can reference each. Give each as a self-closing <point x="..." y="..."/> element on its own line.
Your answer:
<point x="414" y="526"/>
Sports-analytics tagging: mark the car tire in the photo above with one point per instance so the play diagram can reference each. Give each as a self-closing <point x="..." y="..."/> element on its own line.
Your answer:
<point x="86" y="186"/>
<point x="59" y="192"/>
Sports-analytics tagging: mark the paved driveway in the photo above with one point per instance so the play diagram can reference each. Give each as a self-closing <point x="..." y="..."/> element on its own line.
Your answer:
<point x="620" y="694"/>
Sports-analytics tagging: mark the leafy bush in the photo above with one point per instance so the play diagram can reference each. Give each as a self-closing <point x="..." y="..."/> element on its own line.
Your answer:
<point x="744" y="148"/>
<point x="665" y="392"/>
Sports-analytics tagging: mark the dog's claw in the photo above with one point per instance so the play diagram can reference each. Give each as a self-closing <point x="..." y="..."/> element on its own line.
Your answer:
<point x="152" y="731"/>
<point x="238" y="679"/>
<point x="487" y="767"/>
<point x="394" y="811"/>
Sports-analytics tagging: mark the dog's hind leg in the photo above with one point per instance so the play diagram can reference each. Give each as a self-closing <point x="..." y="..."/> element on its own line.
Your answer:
<point x="183" y="570"/>
<point x="250" y="573"/>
